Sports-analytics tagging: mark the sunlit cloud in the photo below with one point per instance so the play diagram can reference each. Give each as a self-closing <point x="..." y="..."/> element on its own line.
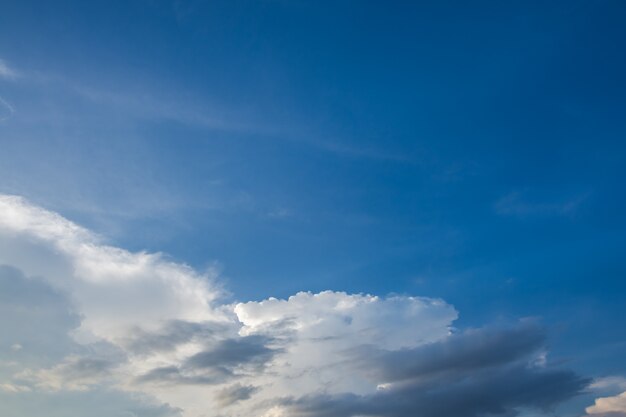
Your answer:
<point x="93" y="321"/>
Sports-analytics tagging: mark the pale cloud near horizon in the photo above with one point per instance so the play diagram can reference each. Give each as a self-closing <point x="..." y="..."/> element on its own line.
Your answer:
<point x="138" y="334"/>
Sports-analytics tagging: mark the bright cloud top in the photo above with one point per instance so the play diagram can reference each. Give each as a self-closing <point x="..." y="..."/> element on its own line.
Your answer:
<point x="117" y="333"/>
<point x="614" y="406"/>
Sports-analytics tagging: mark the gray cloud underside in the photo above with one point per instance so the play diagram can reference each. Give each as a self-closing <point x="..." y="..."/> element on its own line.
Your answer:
<point x="173" y="334"/>
<point x="480" y="372"/>
<point x="224" y="360"/>
<point x="457" y="355"/>
<point x="235" y="393"/>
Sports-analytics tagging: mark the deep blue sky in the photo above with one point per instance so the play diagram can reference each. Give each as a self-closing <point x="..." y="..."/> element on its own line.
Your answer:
<point x="474" y="152"/>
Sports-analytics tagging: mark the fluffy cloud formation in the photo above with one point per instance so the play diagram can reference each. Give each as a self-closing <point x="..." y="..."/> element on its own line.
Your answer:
<point x="114" y="290"/>
<point x="614" y="406"/>
<point x="480" y="372"/>
<point x="134" y="334"/>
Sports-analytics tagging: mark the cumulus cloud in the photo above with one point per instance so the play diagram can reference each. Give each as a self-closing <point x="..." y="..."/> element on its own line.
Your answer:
<point x="135" y="334"/>
<point x="614" y="406"/>
<point x="479" y="372"/>
<point x="35" y="319"/>
<point x="50" y="373"/>
<point x="115" y="290"/>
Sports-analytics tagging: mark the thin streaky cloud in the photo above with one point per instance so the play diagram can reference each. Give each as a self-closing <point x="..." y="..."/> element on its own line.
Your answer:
<point x="6" y="72"/>
<point x="519" y="204"/>
<point x="6" y="110"/>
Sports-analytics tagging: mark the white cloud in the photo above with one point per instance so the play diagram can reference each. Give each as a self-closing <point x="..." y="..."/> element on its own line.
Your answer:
<point x="322" y="329"/>
<point x="609" y="382"/>
<point x="115" y="290"/>
<point x="101" y="322"/>
<point x="610" y="406"/>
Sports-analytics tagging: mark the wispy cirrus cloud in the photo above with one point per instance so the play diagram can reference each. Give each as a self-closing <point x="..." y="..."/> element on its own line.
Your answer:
<point x="609" y="382"/>
<point x="522" y="204"/>
<point x="6" y="72"/>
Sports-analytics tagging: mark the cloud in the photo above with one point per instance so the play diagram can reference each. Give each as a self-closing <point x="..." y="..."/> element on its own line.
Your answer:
<point x="6" y="110"/>
<point x="136" y="334"/>
<point x="455" y="356"/>
<point x="349" y="319"/>
<point x="35" y="319"/>
<point x="226" y="359"/>
<point x="50" y="374"/>
<point x="520" y="204"/>
<point x="609" y="382"/>
<point x="479" y="372"/>
<point x="497" y="393"/>
<point x="230" y="354"/>
<point x="92" y="365"/>
<point x="171" y="335"/>
<point x="235" y="393"/>
<point x="609" y="406"/>
<point x="115" y="290"/>
<point x="7" y="72"/>
<point x="94" y="403"/>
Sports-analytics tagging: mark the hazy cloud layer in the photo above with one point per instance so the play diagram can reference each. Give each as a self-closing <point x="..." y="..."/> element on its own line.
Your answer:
<point x="134" y="334"/>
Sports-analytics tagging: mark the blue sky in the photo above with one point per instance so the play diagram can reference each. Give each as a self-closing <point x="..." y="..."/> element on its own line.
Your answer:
<point x="472" y="153"/>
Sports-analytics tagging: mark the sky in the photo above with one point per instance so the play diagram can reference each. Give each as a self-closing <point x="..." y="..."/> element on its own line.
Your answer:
<point x="293" y="208"/>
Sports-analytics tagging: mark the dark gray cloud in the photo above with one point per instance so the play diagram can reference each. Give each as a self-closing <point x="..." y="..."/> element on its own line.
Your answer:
<point x="230" y="353"/>
<point x="457" y="355"/>
<point x="235" y="393"/>
<point x="480" y="372"/>
<point x="224" y="360"/>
